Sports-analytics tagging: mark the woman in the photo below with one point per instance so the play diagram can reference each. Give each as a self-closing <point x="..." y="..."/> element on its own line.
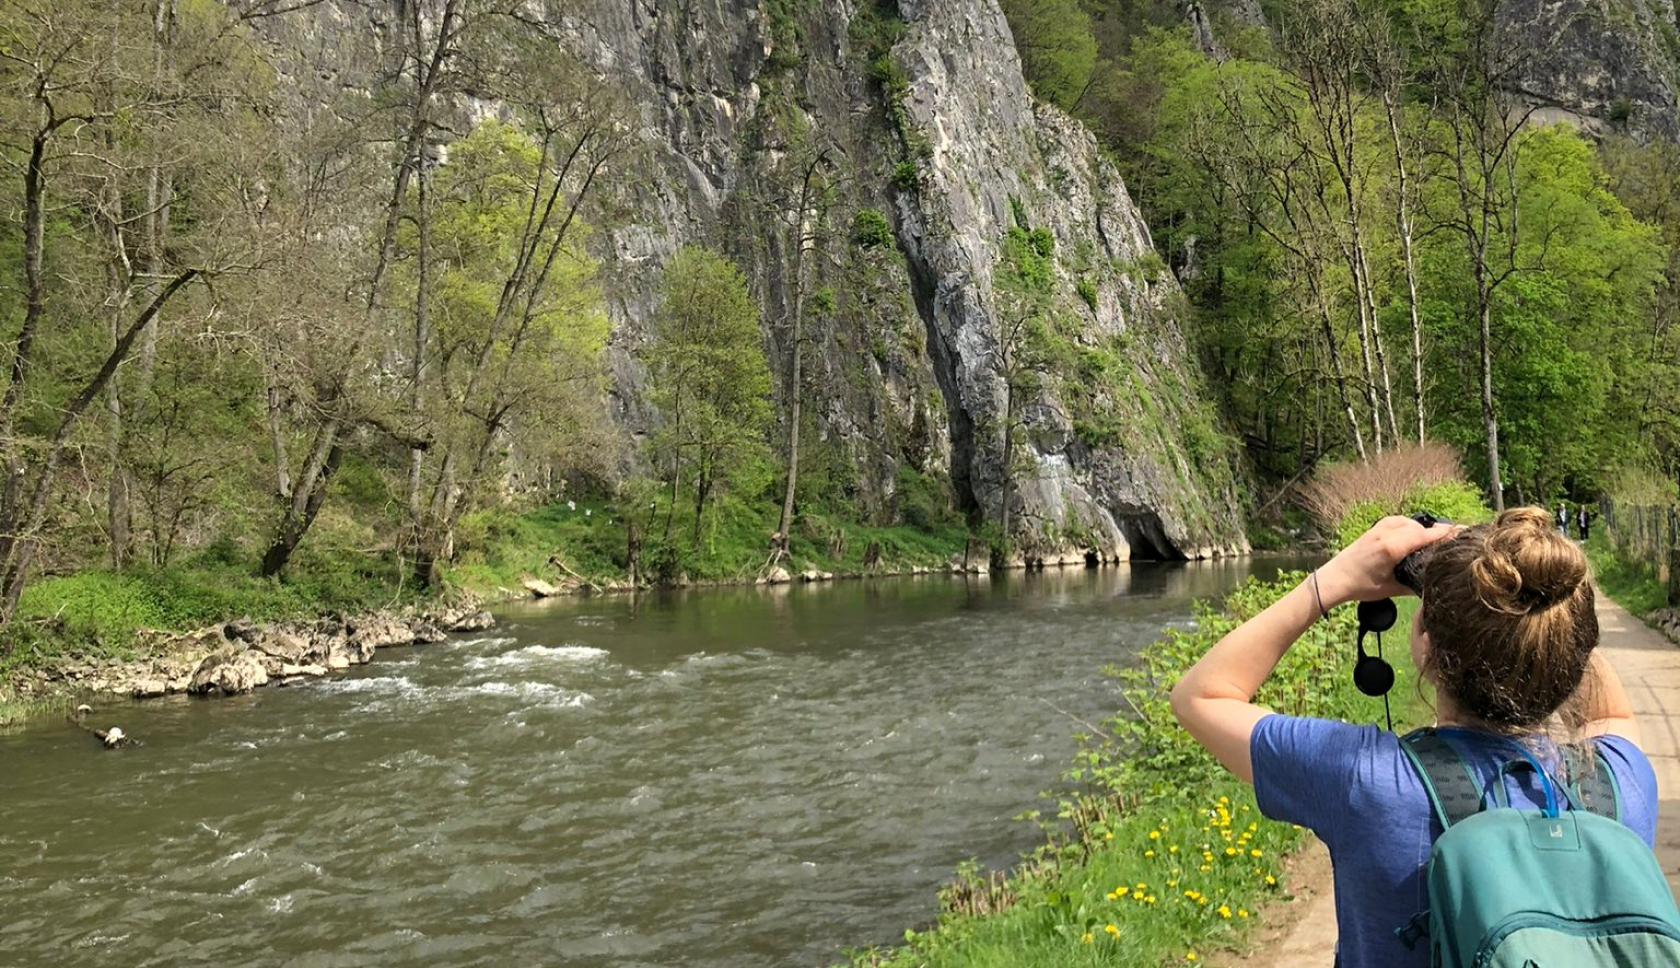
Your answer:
<point x="1505" y="634"/>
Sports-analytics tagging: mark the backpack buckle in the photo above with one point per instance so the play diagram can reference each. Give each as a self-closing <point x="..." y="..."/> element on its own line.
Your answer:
<point x="1414" y="930"/>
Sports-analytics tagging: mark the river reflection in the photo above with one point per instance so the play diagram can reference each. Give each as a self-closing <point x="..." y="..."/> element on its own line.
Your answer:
<point x="724" y="777"/>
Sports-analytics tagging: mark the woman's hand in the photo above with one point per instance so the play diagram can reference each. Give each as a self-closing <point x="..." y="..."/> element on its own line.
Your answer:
<point x="1364" y="570"/>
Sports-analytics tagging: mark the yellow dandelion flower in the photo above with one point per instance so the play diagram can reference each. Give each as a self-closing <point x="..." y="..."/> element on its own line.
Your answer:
<point x="1253" y="827"/>
<point x="1254" y="853"/>
<point x="1154" y="835"/>
<point x="1172" y="849"/>
<point x="1224" y="910"/>
<point x="1137" y="895"/>
<point x="1112" y="896"/>
<point x="1150" y="899"/>
<point x="1242" y="912"/>
<point x="1112" y="930"/>
<point x="1206" y="867"/>
<point x="1172" y="883"/>
<point x="1109" y="835"/>
<point x="1149" y="853"/>
<point x="1141" y="885"/>
<point x="1270" y="879"/>
<point x="1224" y="800"/>
<point x="1189" y="956"/>
<point x="1190" y="894"/>
<point x="1086" y="938"/>
<point x="1230" y="852"/>
<point x="1201" y="900"/>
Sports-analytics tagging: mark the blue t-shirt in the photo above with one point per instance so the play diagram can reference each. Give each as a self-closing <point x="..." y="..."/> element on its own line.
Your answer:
<point x="1355" y="788"/>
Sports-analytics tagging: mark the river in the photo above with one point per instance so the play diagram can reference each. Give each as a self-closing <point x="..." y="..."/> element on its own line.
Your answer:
<point x="738" y="778"/>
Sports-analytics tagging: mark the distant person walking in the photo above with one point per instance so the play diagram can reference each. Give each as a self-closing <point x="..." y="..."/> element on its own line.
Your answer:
<point x="1583" y="522"/>
<point x="1563" y="518"/>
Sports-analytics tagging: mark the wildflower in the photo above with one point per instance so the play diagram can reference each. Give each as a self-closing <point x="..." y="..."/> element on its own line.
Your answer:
<point x="1086" y="938"/>
<point x="1109" y="835"/>
<point x="1230" y="852"/>
<point x="1112" y="930"/>
<point x="1242" y="912"/>
<point x="1141" y="885"/>
<point x="1172" y="883"/>
<point x="1149" y="899"/>
<point x="1270" y="880"/>
<point x="1149" y="853"/>
<point x="1189" y="956"/>
<point x="1172" y="849"/>
<point x="1137" y="895"/>
<point x="1254" y="853"/>
<point x="1224" y="800"/>
<point x="1154" y="835"/>
<point x="1206" y="867"/>
<point x="1253" y="827"/>
<point x="1224" y="910"/>
<point x="1112" y="896"/>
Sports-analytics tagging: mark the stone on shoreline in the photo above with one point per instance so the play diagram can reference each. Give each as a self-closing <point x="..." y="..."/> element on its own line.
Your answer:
<point x="465" y="620"/>
<point x="231" y="671"/>
<point x="150" y="688"/>
<point x="539" y="588"/>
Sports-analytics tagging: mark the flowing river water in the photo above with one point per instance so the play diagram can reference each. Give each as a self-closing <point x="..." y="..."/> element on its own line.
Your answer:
<point x="716" y="778"/>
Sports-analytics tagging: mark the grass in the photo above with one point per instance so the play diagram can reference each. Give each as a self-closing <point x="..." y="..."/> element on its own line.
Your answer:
<point x="1157" y="855"/>
<point x="498" y="548"/>
<point x="1631" y="584"/>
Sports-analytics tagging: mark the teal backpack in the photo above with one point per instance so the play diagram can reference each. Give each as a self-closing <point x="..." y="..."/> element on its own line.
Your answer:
<point x="1514" y="888"/>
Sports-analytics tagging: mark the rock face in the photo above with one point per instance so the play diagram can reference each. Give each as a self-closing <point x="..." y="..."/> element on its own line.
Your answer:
<point x="1605" y="66"/>
<point x="937" y="130"/>
<point x="934" y="149"/>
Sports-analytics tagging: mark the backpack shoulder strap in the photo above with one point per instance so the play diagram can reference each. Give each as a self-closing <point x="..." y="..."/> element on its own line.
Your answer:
<point x="1594" y="790"/>
<point x="1453" y="790"/>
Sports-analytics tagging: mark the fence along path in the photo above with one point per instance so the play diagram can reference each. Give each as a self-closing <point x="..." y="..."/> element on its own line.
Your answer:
<point x="1648" y="533"/>
<point x="1649" y="667"/>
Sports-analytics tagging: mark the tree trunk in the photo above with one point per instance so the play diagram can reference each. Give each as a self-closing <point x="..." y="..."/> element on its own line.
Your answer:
<point x="1409" y="261"/>
<point x="417" y="367"/>
<point x="1490" y="419"/>
<point x="300" y="514"/>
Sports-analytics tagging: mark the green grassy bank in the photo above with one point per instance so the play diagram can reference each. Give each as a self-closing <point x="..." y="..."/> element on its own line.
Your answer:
<point x="1160" y="856"/>
<point x="1631" y="584"/>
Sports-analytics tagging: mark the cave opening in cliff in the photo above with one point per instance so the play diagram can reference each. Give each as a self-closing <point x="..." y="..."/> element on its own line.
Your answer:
<point x="1147" y="539"/>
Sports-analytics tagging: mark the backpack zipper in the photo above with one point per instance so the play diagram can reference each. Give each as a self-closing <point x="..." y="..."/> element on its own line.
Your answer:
<point x="1596" y="928"/>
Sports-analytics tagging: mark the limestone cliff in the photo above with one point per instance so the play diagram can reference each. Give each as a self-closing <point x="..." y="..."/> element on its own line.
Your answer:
<point x="932" y="149"/>
<point x="1604" y="64"/>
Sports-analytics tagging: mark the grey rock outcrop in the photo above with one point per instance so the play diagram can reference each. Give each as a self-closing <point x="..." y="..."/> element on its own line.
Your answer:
<point x="1601" y="65"/>
<point x="231" y="671"/>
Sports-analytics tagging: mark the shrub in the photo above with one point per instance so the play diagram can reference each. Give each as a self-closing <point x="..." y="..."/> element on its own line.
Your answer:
<point x="871" y="230"/>
<point x="1088" y="292"/>
<point x="1385" y="481"/>
<point x="906" y="176"/>
<point x="1457" y="501"/>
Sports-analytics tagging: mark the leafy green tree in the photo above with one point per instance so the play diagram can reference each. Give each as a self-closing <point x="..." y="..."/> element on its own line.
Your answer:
<point x="1058" y="51"/>
<point x="708" y="378"/>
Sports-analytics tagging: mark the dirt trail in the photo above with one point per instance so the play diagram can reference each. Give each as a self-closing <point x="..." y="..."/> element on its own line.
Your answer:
<point x="1301" y="932"/>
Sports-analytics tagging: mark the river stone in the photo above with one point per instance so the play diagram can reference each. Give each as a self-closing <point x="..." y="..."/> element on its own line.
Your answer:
<point x="378" y="632"/>
<point x="426" y="633"/>
<point x="539" y="588"/>
<point x="777" y="576"/>
<point x="465" y="620"/>
<point x="302" y="670"/>
<point x="150" y="688"/>
<point x="230" y="670"/>
<point x="280" y="644"/>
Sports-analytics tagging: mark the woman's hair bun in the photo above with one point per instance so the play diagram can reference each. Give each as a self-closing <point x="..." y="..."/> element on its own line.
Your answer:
<point x="1526" y="565"/>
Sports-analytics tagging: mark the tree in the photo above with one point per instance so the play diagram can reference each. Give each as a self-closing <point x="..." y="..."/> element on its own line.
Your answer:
<point x="83" y="118"/>
<point x="1058" y="52"/>
<point x="708" y="378"/>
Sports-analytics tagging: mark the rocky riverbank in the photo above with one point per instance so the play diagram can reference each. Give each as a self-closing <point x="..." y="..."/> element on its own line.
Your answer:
<point x="239" y="656"/>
